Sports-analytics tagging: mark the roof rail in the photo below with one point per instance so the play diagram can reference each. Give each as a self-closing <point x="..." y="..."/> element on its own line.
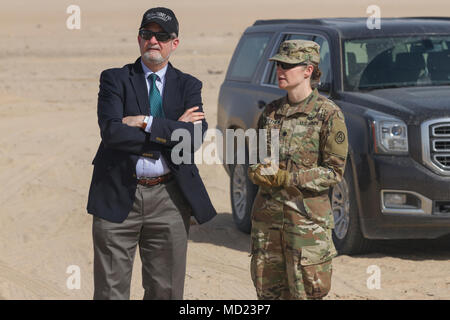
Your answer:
<point x="429" y="18"/>
<point x="279" y="21"/>
<point x="324" y="21"/>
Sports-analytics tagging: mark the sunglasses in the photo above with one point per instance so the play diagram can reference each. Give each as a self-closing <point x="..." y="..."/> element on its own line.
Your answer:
<point x="160" y="36"/>
<point x="287" y="66"/>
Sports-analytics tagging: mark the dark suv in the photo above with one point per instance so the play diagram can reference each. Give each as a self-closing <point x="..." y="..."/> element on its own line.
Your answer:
<point x="393" y="85"/>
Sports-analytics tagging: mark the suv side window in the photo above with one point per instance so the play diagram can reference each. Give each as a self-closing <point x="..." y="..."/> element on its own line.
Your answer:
<point x="249" y="53"/>
<point x="325" y="61"/>
<point x="324" y="65"/>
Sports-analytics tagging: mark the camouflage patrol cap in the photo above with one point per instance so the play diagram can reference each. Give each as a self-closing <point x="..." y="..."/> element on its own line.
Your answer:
<point x="298" y="51"/>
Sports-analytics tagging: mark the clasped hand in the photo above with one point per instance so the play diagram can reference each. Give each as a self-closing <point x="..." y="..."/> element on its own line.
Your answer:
<point x="268" y="175"/>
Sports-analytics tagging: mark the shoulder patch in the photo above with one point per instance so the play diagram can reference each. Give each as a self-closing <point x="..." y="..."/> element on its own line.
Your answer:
<point x="339" y="137"/>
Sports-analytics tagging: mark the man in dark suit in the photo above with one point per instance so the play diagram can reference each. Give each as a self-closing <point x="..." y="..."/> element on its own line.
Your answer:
<point x="138" y="195"/>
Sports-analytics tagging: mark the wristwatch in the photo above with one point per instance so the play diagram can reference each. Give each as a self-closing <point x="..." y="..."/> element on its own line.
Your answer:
<point x="144" y="124"/>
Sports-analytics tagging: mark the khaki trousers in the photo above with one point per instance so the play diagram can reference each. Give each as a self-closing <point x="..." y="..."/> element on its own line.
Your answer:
<point x="159" y="224"/>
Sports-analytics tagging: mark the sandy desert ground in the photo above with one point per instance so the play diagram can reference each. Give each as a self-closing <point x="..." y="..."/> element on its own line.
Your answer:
<point x="49" y="134"/>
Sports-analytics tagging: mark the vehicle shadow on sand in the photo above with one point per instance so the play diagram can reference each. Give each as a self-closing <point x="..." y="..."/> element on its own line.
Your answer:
<point x="415" y="250"/>
<point x="221" y="231"/>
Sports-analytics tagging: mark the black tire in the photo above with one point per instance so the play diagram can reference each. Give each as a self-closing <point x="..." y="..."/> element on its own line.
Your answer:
<point x="348" y="239"/>
<point x="242" y="195"/>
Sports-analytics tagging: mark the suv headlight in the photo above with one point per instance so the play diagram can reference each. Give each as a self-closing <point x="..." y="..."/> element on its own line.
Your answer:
<point x="390" y="135"/>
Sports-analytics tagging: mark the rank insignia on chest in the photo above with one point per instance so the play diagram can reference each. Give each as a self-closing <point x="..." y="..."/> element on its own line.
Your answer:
<point x="321" y="115"/>
<point x="272" y="121"/>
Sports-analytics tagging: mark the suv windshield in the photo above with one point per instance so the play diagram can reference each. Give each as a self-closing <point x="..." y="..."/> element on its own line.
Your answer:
<point x="396" y="62"/>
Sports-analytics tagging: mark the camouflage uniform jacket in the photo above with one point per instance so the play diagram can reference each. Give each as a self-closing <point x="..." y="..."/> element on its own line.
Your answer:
<point x="313" y="148"/>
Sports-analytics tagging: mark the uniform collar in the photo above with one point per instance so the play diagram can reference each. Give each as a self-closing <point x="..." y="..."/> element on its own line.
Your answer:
<point x="305" y="106"/>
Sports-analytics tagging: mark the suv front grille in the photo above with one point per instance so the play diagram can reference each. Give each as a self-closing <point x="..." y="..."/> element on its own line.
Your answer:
<point x="441" y="130"/>
<point x="436" y="145"/>
<point x="442" y="145"/>
<point x="444" y="161"/>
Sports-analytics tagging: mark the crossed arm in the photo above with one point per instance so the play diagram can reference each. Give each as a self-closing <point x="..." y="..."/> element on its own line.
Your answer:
<point x="125" y="133"/>
<point x="190" y="115"/>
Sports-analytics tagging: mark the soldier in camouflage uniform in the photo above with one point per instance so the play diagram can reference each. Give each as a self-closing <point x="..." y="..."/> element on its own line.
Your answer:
<point x="292" y="221"/>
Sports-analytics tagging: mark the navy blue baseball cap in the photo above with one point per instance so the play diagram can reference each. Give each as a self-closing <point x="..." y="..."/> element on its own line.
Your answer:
<point x="162" y="16"/>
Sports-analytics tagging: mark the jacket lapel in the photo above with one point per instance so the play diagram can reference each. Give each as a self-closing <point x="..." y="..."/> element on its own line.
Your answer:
<point x="170" y="91"/>
<point x="140" y="87"/>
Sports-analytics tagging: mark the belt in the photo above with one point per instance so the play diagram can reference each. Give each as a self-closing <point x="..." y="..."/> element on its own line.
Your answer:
<point x="154" y="181"/>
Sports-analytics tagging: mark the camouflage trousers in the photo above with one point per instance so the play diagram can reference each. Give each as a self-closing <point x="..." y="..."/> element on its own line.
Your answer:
<point x="291" y="255"/>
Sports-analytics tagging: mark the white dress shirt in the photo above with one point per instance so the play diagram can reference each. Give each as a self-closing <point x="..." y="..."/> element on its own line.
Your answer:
<point x="147" y="167"/>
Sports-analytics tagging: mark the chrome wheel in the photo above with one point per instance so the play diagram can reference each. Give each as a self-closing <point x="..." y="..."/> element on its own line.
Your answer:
<point x="340" y="205"/>
<point x="239" y="188"/>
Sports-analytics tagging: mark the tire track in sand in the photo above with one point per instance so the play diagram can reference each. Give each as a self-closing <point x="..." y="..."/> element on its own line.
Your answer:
<point x="39" y="288"/>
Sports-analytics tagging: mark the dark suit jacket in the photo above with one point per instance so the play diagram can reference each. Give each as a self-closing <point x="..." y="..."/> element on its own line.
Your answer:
<point x="123" y="92"/>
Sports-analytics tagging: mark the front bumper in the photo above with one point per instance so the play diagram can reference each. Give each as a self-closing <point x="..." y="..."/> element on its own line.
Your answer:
<point x="381" y="174"/>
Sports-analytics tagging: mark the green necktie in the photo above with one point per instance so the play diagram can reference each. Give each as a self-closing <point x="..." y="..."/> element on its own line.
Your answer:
<point x="154" y="96"/>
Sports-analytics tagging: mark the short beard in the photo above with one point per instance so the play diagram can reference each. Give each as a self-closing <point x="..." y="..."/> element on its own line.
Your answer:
<point x="152" y="60"/>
